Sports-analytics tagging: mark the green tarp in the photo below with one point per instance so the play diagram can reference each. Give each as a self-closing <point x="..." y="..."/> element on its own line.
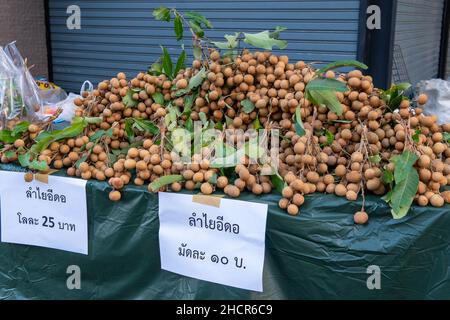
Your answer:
<point x="320" y="254"/>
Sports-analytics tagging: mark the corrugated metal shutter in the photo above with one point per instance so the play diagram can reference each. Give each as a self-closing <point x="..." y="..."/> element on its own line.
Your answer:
<point x="447" y="69"/>
<point x="123" y="36"/>
<point x="418" y="33"/>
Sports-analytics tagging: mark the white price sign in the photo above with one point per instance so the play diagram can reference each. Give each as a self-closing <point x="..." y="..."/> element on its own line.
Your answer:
<point x="52" y="215"/>
<point x="222" y="244"/>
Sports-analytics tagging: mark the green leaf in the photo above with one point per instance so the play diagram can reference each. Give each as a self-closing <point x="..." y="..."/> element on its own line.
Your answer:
<point x="20" y="128"/>
<point x="146" y="126"/>
<point x="164" y="181"/>
<point x="342" y="63"/>
<point x="231" y="42"/>
<point x="213" y="178"/>
<point x="162" y="13"/>
<point x="180" y="63"/>
<point x="38" y="165"/>
<point x="196" y="28"/>
<point x="101" y="133"/>
<point x="329" y="136"/>
<point x="129" y="129"/>
<point x="158" y="98"/>
<point x="82" y="159"/>
<point x="416" y="136"/>
<point x="264" y="40"/>
<point x="197" y="52"/>
<point x="24" y="159"/>
<point x="278" y="183"/>
<point x="167" y="63"/>
<point x="403" y="194"/>
<point x="375" y="159"/>
<point x="403" y="86"/>
<point x="257" y="124"/>
<point x="447" y="137"/>
<point x="6" y="136"/>
<point x="178" y="27"/>
<point x="387" y="197"/>
<point x="342" y="121"/>
<point x="403" y="165"/>
<point x="327" y="98"/>
<point x="203" y="118"/>
<point x="128" y="100"/>
<point x="276" y="33"/>
<point x="155" y="69"/>
<point x="198" y="79"/>
<point x="247" y="106"/>
<point x="320" y="84"/>
<point x="228" y="120"/>
<point x="387" y="177"/>
<point x="299" y="128"/>
<point x="73" y="130"/>
<point x="10" y="154"/>
<point x="198" y="18"/>
<point x="230" y="160"/>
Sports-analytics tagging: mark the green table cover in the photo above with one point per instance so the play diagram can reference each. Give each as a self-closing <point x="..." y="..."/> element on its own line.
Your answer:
<point x="320" y="254"/>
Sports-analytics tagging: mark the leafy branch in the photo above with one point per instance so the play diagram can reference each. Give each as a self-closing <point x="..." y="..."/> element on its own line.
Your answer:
<point x="322" y="91"/>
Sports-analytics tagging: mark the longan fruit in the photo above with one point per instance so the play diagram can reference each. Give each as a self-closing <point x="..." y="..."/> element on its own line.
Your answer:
<point x="73" y="156"/>
<point x="257" y="189"/>
<point x="244" y="174"/>
<point x="117" y="183"/>
<point x="439" y="147"/>
<point x="129" y="164"/>
<point x="133" y="153"/>
<point x="32" y="128"/>
<point x="84" y="166"/>
<point x="351" y="195"/>
<point x="446" y="196"/>
<point x="437" y="200"/>
<point x="28" y="177"/>
<point x="292" y="209"/>
<point x="222" y="182"/>
<point x="312" y="176"/>
<point x="424" y="161"/>
<point x="86" y="175"/>
<point x="340" y="170"/>
<point x="298" y="199"/>
<point x="422" y="99"/>
<point x="206" y="188"/>
<point x="340" y="190"/>
<point x="198" y="177"/>
<point x="353" y="176"/>
<point x="19" y="143"/>
<point x="283" y="203"/>
<point x="361" y="217"/>
<point x="357" y="156"/>
<point x="115" y="195"/>
<point x="373" y="184"/>
<point x="232" y="191"/>
<point x="181" y="84"/>
<point x="422" y="201"/>
<point x="297" y="185"/>
<point x="287" y="192"/>
<point x="109" y="172"/>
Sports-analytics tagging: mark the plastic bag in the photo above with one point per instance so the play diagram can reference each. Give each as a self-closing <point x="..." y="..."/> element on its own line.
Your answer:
<point x="68" y="106"/>
<point x="438" y="92"/>
<point x="19" y="94"/>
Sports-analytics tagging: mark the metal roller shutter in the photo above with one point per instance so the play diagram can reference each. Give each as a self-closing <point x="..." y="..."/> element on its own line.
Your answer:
<point x="123" y="36"/>
<point x="418" y="33"/>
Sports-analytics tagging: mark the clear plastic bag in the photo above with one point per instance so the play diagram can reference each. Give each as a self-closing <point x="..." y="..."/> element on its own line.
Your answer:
<point x="19" y="94"/>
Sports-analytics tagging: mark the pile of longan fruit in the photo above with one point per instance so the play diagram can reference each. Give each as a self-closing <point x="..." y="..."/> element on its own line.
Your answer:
<point x="366" y="130"/>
